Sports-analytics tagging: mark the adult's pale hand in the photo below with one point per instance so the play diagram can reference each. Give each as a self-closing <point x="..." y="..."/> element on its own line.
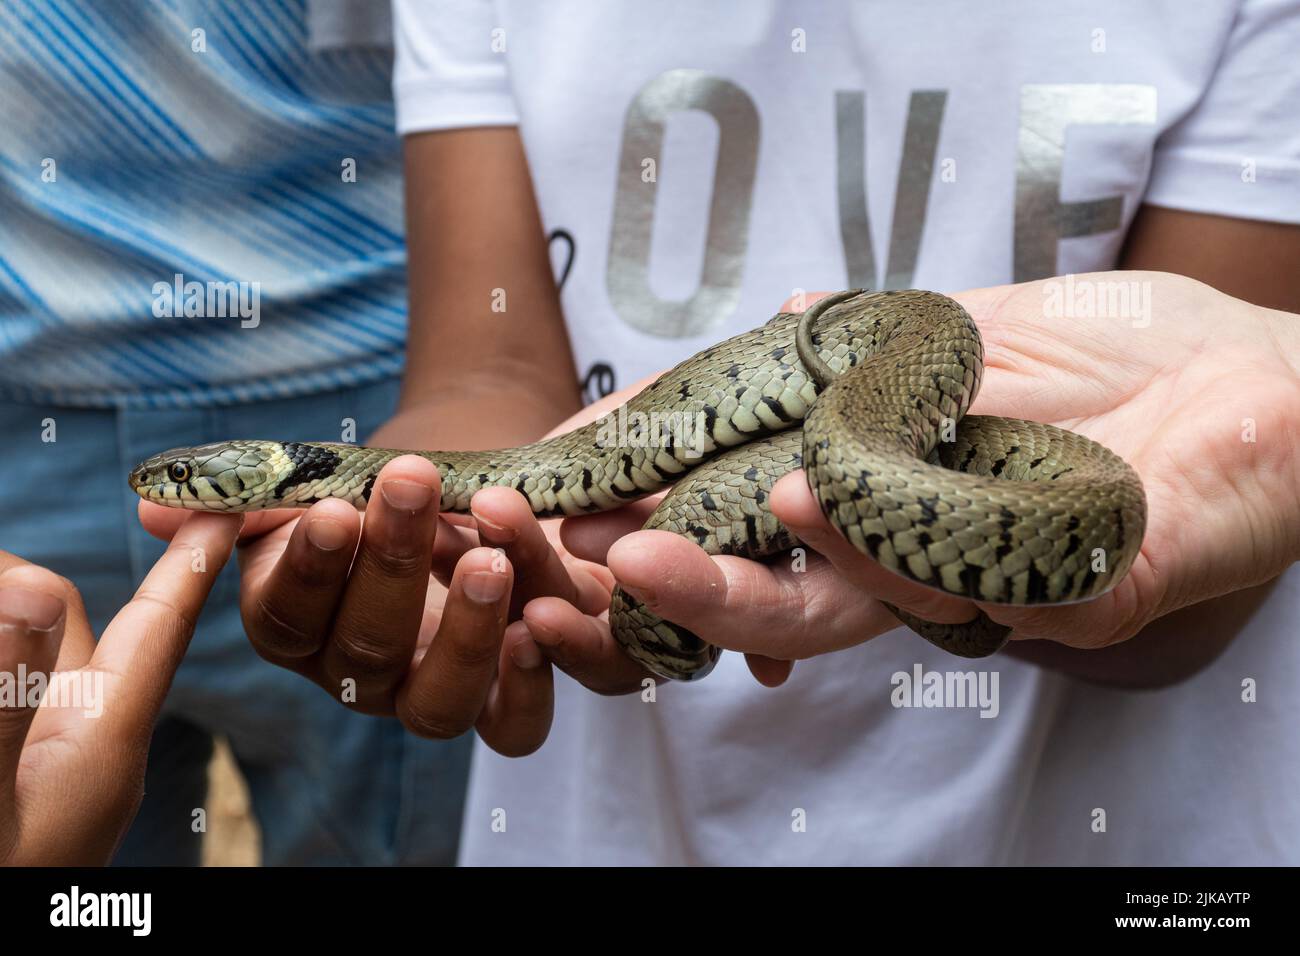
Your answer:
<point x="1200" y="394"/>
<point x="72" y="769"/>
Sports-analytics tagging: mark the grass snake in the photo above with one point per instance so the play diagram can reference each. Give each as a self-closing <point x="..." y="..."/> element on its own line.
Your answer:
<point x="867" y="391"/>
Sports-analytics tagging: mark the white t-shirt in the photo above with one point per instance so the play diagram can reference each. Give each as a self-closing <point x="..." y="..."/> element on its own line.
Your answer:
<point x="707" y="161"/>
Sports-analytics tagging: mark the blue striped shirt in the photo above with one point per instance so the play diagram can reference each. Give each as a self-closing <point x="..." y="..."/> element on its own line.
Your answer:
<point x="239" y="153"/>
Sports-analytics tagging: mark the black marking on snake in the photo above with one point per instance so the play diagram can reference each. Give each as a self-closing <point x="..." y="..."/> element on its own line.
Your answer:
<point x="929" y="509"/>
<point x="193" y="491"/>
<point x="1119" y="528"/>
<point x="970" y="580"/>
<point x="775" y="407"/>
<point x="710" y="419"/>
<point x="690" y="645"/>
<point x="370" y="486"/>
<point x="1006" y="518"/>
<point x="707" y="501"/>
<point x="1073" y="523"/>
<point x="558" y="484"/>
<point x="701" y="534"/>
<point x="1037" y="461"/>
<point x="751" y="528"/>
<point x="1071" y="543"/>
<point x="751" y="473"/>
<point x="627" y="472"/>
<point x="653" y="465"/>
<point x="998" y="465"/>
<point x="587" y="480"/>
<point x="1035" y="585"/>
<point x="733" y="372"/>
<point x="1088" y="579"/>
<point x="310" y="463"/>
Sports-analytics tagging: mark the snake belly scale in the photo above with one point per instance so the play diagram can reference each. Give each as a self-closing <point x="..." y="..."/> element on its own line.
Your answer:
<point x="867" y="391"/>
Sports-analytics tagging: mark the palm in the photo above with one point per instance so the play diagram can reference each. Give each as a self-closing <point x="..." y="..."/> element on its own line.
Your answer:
<point x="1180" y="414"/>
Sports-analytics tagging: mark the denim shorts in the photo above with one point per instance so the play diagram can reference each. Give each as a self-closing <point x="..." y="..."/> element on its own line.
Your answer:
<point x="328" y="786"/>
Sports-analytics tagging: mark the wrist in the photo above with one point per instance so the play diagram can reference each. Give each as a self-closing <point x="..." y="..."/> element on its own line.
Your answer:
<point x="475" y="410"/>
<point x="509" y="377"/>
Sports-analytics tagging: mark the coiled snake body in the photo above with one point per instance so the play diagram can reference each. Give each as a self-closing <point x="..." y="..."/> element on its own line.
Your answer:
<point x="992" y="509"/>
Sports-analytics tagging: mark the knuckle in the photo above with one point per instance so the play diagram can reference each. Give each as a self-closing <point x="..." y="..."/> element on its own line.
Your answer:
<point x="465" y="653"/>
<point x="388" y="564"/>
<point x="166" y="615"/>
<point x="270" y="631"/>
<point x="366" y="660"/>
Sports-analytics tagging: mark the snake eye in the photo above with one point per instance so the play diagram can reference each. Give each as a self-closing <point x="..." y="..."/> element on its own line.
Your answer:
<point x="178" y="471"/>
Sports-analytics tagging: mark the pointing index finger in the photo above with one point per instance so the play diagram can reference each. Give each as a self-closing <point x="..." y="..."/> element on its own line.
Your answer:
<point x="144" y="643"/>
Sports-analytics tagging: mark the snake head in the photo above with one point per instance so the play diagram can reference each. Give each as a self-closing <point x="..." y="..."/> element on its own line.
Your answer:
<point x="228" y="476"/>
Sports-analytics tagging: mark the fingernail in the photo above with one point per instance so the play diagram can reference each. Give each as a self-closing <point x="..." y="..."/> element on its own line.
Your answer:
<point x="496" y="533"/>
<point x="526" y="655"/>
<point x="406" y="495"/>
<point x="29" y="610"/>
<point x="326" y="534"/>
<point x="484" y="587"/>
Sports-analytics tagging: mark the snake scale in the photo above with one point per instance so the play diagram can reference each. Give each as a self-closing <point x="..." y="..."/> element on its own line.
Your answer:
<point x="992" y="509"/>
